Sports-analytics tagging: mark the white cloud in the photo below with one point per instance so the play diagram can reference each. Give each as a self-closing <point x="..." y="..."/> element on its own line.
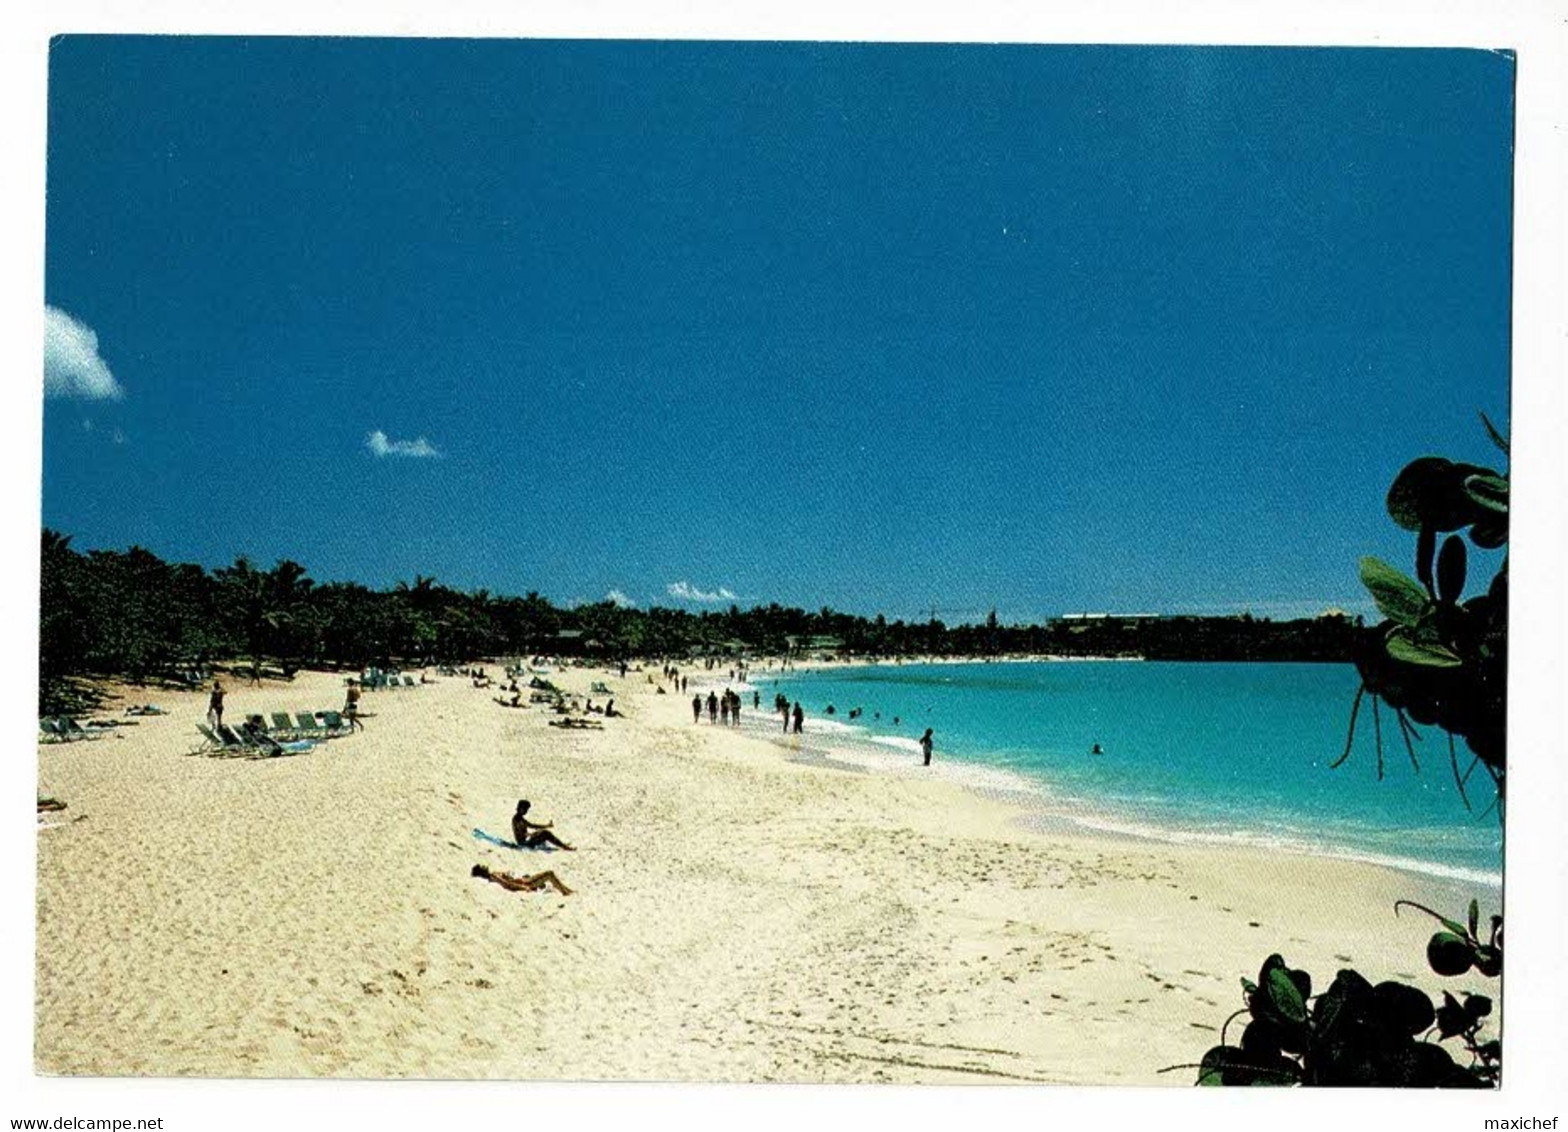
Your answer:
<point x="72" y="364"/>
<point x="616" y="597"/>
<point x="688" y="592"/>
<point x="378" y="444"/>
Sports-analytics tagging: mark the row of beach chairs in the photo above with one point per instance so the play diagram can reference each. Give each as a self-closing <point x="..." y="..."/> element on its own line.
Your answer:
<point x="374" y="681"/>
<point x="308" y="725"/>
<point x="285" y="736"/>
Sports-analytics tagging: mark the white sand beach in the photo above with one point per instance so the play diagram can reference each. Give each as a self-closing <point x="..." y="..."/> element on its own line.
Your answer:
<point x="736" y="916"/>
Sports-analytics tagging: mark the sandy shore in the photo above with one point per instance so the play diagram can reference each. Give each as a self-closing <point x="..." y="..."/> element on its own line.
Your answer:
<point x="737" y="915"/>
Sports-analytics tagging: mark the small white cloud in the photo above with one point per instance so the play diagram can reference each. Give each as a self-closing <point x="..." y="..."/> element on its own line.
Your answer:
<point x="616" y="597"/>
<point x="380" y="446"/>
<point x="688" y="592"/>
<point x="72" y="364"/>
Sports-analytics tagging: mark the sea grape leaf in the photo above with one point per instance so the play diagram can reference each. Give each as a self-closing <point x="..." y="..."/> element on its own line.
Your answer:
<point x="1399" y="597"/>
<point x="1451" y="1017"/>
<point x="1403" y="1007"/>
<point x="1489" y="961"/>
<point x="1417" y="490"/>
<point x="1285" y="997"/>
<point x="1429" y="653"/>
<point x="1303" y="981"/>
<point x="1449" y="954"/>
<point x="1477" y="1005"/>
<point x="1475" y="918"/>
<point x="1232" y="1065"/>
<point x="1488" y="491"/>
<point x="1451" y="569"/>
<point x="1426" y="550"/>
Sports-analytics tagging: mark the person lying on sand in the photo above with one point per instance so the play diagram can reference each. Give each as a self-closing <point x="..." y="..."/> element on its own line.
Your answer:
<point x="522" y="884"/>
<point x="531" y="835"/>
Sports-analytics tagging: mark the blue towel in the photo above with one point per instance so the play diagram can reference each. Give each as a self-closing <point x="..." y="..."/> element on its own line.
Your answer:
<point x="494" y="840"/>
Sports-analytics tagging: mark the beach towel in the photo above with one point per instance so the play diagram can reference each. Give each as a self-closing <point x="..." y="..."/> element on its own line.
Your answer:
<point x="494" y="840"/>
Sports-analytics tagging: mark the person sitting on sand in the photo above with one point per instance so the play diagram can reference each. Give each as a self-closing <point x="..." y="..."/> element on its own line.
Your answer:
<point x="610" y="712"/>
<point x="532" y="835"/>
<point x="522" y="884"/>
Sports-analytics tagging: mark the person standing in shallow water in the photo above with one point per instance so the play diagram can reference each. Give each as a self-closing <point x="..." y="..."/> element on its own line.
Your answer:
<point x="800" y="717"/>
<point x="713" y="708"/>
<point x="696" y="709"/>
<point x="925" y="747"/>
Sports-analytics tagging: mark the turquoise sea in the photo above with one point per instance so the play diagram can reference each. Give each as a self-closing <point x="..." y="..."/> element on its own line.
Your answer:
<point x="1234" y="753"/>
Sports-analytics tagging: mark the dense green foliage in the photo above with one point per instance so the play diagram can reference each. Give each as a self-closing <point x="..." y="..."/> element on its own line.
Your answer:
<point x="1357" y="1034"/>
<point x="132" y="614"/>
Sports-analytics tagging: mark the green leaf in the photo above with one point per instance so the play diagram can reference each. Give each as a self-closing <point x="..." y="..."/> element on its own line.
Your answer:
<point x="1430" y="654"/>
<point x="1210" y="1071"/>
<point x="1403" y="1007"/>
<point x="1449" y="954"/>
<point x="1284" y="996"/>
<point x="1416" y="492"/>
<point x="1488" y="491"/>
<point x="1399" y="597"/>
<point x="1477" y="1005"/>
<point x="1475" y="918"/>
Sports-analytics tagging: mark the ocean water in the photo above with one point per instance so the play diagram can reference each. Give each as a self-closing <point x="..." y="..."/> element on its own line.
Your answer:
<point x="1192" y="752"/>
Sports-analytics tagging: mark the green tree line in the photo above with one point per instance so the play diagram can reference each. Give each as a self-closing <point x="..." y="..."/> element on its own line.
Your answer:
<point x="131" y="614"/>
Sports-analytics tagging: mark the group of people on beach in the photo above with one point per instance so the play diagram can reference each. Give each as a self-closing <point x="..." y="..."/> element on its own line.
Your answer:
<point x="721" y="709"/>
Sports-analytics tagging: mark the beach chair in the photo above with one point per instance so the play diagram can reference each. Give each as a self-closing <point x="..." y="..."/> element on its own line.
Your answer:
<point x="282" y="725"/>
<point x="335" y="723"/>
<point x="408" y="682"/>
<point x="213" y="741"/>
<point x="235" y="742"/>
<point x="308" y="727"/>
<point x="53" y="732"/>
<point x="74" y="730"/>
<point x="261" y="745"/>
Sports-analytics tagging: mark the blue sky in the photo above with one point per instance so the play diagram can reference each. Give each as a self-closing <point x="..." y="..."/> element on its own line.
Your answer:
<point x="876" y="327"/>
